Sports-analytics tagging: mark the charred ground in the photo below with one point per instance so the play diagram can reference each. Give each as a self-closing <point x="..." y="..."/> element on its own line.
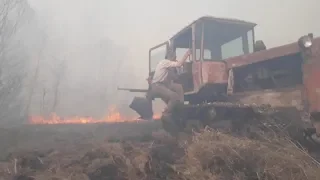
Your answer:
<point x="144" y="151"/>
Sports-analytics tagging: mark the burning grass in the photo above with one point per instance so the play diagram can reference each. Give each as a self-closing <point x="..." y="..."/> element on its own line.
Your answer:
<point x="112" y="116"/>
<point x="206" y="155"/>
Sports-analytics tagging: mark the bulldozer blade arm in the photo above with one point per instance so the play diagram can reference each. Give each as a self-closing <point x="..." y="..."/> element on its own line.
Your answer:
<point x="143" y="107"/>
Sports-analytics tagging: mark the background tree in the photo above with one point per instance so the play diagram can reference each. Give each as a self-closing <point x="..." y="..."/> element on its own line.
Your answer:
<point x="14" y="14"/>
<point x="58" y="71"/>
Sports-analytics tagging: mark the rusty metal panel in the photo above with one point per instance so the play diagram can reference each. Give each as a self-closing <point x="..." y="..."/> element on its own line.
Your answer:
<point x="266" y="54"/>
<point x="211" y="20"/>
<point x="311" y="77"/>
<point x="289" y="97"/>
<point x="214" y="72"/>
<point x="312" y="84"/>
<point x="196" y="74"/>
<point x="259" y="56"/>
<point x="210" y="72"/>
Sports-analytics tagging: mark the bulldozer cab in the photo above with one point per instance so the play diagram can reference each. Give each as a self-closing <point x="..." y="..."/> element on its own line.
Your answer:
<point x="212" y="40"/>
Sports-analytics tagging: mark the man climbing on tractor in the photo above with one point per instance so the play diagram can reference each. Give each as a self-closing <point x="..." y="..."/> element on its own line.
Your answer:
<point x="163" y="85"/>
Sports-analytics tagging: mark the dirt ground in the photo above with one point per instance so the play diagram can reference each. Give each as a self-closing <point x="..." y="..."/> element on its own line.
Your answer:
<point x="143" y="151"/>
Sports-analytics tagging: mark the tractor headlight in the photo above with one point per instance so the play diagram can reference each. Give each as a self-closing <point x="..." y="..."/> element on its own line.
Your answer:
<point x="307" y="43"/>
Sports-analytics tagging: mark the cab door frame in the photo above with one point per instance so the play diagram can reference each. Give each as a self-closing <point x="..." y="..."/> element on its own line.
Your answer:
<point x="155" y="47"/>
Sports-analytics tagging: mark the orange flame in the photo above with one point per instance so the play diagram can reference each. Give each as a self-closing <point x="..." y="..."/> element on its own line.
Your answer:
<point x="112" y="117"/>
<point x="156" y="116"/>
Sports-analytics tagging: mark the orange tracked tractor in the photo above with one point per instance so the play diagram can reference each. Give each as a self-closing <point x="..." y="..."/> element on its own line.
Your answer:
<point x="231" y="76"/>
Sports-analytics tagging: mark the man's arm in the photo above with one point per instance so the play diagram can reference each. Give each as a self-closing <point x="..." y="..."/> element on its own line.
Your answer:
<point x="169" y="64"/>
<point x="149" y="79"/>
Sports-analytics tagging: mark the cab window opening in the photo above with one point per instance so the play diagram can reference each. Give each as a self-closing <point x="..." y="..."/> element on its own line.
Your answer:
<point x="156" y="55"/>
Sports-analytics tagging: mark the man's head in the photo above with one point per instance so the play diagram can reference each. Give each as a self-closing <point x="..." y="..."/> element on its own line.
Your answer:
<point x="171" y="54"/>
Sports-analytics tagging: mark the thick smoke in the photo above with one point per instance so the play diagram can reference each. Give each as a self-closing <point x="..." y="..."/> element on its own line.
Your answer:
<point x="69" y="56"/>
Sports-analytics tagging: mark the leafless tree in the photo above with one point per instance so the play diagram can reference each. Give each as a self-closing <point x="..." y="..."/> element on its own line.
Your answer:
<point x="35" y="76"/>
<point x="43" y="109"/>
<point x="58" y="70"/>
<point x="12" y="58"/>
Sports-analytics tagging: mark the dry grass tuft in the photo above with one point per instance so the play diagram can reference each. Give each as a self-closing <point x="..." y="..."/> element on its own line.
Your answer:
<point x="207" y="155"/>
<point x="214" y="155"/>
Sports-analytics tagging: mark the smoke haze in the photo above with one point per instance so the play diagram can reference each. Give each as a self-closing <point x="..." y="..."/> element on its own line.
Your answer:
<point x="74" y="53"/>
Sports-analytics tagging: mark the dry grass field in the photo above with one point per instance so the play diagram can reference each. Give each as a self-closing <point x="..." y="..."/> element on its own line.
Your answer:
<point x="143" y="151"/>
